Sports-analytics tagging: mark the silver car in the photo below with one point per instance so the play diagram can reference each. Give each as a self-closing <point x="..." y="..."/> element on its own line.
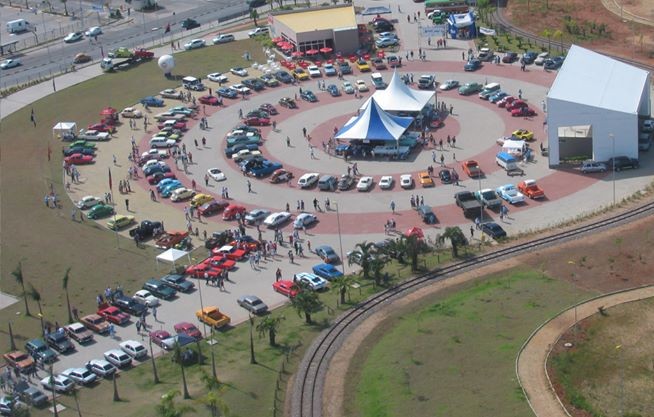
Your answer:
<point x="253" y="304"/>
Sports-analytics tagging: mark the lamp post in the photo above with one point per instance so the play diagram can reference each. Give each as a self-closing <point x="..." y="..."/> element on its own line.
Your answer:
<point x="612" y="137"/>
<point x="340" y="239"/>
<point x="481" y="208"/>
<point x="204" y="325"/>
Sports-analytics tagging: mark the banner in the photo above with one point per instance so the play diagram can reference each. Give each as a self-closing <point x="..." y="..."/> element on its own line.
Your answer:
<point x="435" y="31"/>
<point x="487" y="31"/>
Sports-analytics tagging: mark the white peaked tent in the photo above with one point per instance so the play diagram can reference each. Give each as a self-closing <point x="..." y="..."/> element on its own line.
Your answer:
<point x="373" y="123"/>
<point x="172" y="255"/>
<point x="400" y="97"/>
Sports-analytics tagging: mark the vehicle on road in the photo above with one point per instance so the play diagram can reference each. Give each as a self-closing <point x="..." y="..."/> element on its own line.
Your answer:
<point x="10" y="63"/>
<point x="223" y="38"/>
<point x="73" y="37"/>
<point x="493" y="230"/>
<point x="253" y="304"/>
<point x="531" y="189"/>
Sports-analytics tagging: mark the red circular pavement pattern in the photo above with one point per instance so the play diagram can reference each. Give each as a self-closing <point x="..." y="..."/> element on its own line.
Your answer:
<point x="558" y="184"/>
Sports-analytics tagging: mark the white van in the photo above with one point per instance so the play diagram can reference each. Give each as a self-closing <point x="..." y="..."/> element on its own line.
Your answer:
<point x="19" y="25"/>
<point x="488" y="90"/>
<point x="506" y="161"/>
<point x="192" y="83"/>
<point x="378" y="81"/>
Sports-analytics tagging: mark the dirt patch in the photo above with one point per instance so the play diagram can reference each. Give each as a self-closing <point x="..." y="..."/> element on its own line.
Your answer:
<point x="625" y="39"/>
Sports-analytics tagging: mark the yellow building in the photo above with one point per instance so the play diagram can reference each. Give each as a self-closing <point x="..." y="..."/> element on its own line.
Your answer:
<point x="325" y="27"/>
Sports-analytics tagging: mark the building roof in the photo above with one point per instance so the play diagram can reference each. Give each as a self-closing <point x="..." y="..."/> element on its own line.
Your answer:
<point x="596" y="80"/>
<point x="400" y="97"/>
<point x="319" y="19"/>
<point x="374" y="123"/>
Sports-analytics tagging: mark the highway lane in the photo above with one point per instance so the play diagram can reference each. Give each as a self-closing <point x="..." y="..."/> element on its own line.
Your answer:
<point x="58" y="56"/>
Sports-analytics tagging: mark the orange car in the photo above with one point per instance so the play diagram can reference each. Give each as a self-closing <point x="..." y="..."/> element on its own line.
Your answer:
<point x="471" y="167"/>
<point x="19" y="360"/>
<point x="531" y="189"/>
<point x="425" y="179"/>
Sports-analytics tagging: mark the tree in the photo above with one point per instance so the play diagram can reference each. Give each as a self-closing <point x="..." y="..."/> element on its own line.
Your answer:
<point x="65" y="6"/>
<point x="155" y="375"/>
<point x="484" y="7"/>
<point x="546" y="33"/>
<point x="270" y="325"/>
<point x="362" y="254"/>
<point x="18" y="274"/>
<point x="64" y="283"/>
<point x="215" y="404"/>
<point x="36" y="296"/>
<point x="558" y="34"/>
<point x="254" y="15"/>
<point x="456" y="238"/>
<point x="306" y="302"/>
<point x="177" y="357"/>
<point x="342" y="284"/>
<point x="169" y="408"/>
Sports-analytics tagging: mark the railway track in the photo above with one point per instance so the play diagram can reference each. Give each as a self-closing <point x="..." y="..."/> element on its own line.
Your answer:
<point x="307" y="399"/>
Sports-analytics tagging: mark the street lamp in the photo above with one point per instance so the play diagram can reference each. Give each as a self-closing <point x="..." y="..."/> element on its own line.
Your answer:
<point x="612" y="137"/>
<point x="340" y="239"/>
<point x="204" y="325"/>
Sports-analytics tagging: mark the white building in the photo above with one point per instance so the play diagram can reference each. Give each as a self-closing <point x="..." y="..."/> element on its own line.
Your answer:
<point x="593" y="107"/>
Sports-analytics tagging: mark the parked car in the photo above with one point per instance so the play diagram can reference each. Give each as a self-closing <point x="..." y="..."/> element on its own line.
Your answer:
<point x="178" y="282"/>
<point x="80" y="375"/>
<point x="531" y="189"/>
<point x="95" y="323"/>
<point x="286" y="287"/>
<point x="253" y="304"/>
<point x="365" y="183"/>
<point x="118" y="358"/>
<point x="159" y="289"/>
<point x="277" y="219"/>
<point x="327" y="271"/>
<point x="619" y="163"/>
<point x="58" y="383"/>
<point x="327" y="254"/>
<point x="79" y="332"/>
<point x="101" y="367"/>
<point x="223" y="38"/>
<point x="188" y="329"/>
<point x="19" y="360"/>
<point x="493" y="230"/>
<point x="311" y="281"/>
<point x="308" y="95"/>
<point x="240" y="71"/>
<point x="308" y="180"/>
<point x="40" y="351"/>
<point x="472" y="65"/>
<point x="406" y="181"/>
<point x="510" y="193"/>
<point x="304" y="220"/>
<point x="588" y="167"/>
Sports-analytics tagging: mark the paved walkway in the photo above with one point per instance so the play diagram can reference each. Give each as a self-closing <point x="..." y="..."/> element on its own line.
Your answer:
<point x="532" y="360"/>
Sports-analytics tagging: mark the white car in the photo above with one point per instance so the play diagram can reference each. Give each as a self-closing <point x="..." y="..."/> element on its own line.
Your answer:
<point x="80" y="375"/>
<point x="304" y="219"/>
<point x="87" y="202"/>
<point x="330" y="69"/>
<point x="146" y="298"/>
<point x="134" y="349"/>
<point x="245" y="154"/>
<point x="73" y="37"/>
<point x="195" y="44"/>
<point x="364" y="184"/>
<point x="361" y="86"/>
<point x="540" y="59"/>
<point x="157" y="153"/>
<point x="308" y="180"/>
<point x="277" y="219"/>
<point x="100" y="367"/>
<point x="216" y="174"/>
<point x="386" y="182"/>
<point x="348" y="88"/>
<point x="448" y="85"/>
<point x="171" y="93"/>
<point x="240" y="89"/>
<point x="256" y="216"/>
<point x="312" y="281"/>
<point x="240" y="71"/>
<point x="181" y="194"/>
<point x="510" y="193"/>
<point x="224" y="38"/>
<point x="94" y="31"/>
<point x="131" y="113"/>
<point x="218" y="77"/>
<point x="59" y="383"/>
<point x="406" y="181"/>
<point x="259" y="31"/>
<point x="593" y="166"/>
<point x="314" y="71"/>
<point x="152" y="162"/>
<point x="9" y="63"/>
<point x="118" y="358"/>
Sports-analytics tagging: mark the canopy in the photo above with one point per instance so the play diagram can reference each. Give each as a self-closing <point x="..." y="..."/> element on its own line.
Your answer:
<point x="312" y="52"/>
<point x="375" y="10"/>
<point x="414" y="231"/>
<point x="172" y="255"/>
<point x="374" y="123"/>
<point x="464" y="23"/>
<point x="398" y="96"/>
<point x="326" y="50"/>
<point x="514" y="147"/>
<point x="62" y="128"/>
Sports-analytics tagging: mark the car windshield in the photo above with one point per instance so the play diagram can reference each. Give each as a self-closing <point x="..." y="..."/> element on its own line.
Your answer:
<point x="488" y="195"/>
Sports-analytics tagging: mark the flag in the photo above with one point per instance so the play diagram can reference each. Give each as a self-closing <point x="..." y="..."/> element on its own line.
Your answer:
<point x="110" y="184"/>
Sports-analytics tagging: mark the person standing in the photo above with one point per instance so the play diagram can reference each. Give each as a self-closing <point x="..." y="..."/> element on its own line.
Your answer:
<point x="393" y="207"/>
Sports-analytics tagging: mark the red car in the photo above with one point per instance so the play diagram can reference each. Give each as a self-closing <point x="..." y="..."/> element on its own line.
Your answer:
<point x="188" y="329"/>
<point x="531" y="189"/>
<point x="158" y="336"/>
<point x="523" y="112"/>
<point x="269" y="108"/>
<point x="178" y="124"/>
<point x="102" y="127"/>
<point x="257" y="121"/>
<point x="515" y="104"/>
<point x="506" y="101"/>
<point x="113" y="314"/>
<point x="219" y="260"/>
<point x="210" y="100"/>
<point x="285" y="287"/>
<point x="246" y="245"/>
<point x="198" y="270"/>
<point x="212" y="207"/>
<point x="231" y="252"/>
<point x="155" y="178"/>
<point x="232" y="210"/>
<point x="79" y="159"/>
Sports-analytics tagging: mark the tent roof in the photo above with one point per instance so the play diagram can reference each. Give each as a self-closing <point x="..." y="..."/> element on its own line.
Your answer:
<point x="171" y="255"/>
<point x="461" y="20"/>
<point x="65" y="126"/>
<point x="374" y="123"/>
<point x="595" y="80"/>
<point x="399" y="97"/>
<point x="513" y="144"/>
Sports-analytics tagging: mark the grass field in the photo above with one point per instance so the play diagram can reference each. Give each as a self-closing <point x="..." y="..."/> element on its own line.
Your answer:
<point x="624" y="382"/>
<point x="453" y="355"/>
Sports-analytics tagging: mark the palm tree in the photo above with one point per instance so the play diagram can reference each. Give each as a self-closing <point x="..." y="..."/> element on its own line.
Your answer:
<point x="154" y="364"/>
<point x="270" y="325"/>
<point x="36" y="296"/>
<point x="168" y="408"/>
<point x="18" y="274"/>
<point x="558" y="34"/>
<point x="362" y="254"/>
<point x="215" y="403"/>
<point x="65" y="7"/>
<point x="254" y="15"/>
<point x="456" y="237"/>
<point x="65" y="286"/>
<point x="306" y="302"/>
<point x="177" y="355"/>
<point x="342" y="284"/>
<point x="546" y="33"/>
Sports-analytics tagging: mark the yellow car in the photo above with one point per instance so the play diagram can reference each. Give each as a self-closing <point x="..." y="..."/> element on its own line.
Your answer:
<point x="523" y="134"/>
<point x="213" y="317"/>
<point x="200" y="199"/>
<point x="363" y="65"/>
<point x="119" y="221"/>
<point x="300" y="74"/>
<point x="425" y="179"/>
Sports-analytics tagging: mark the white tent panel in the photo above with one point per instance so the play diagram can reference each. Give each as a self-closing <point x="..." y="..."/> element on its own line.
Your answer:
<point x="62" y="128"/>
<point x="400" y="97"/>
<point x="172" y="255"/>
<point x="374" y="123"/>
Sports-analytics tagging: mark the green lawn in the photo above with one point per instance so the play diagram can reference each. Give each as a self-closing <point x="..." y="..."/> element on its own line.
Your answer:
<point x="453" y="355"/>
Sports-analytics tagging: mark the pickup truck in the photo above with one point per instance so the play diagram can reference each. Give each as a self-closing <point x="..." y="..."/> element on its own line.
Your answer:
<point x="471" y="168"/>
<point x="93" y="135"/>
<point x="112" y="314"/>
<point x="489" y="198"/>
<point x="170" y="239"/>
<point x="212" y="317"/>
<point x="469" y="204"/>
<point x="146" y="230"/>
<point x="260" y="168"/>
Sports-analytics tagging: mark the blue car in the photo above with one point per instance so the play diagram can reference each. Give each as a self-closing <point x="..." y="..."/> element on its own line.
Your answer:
<point x="308" y="96"/>
<point x="153" y="169"/>
<point x="166" y="181"/>
<point x="226" y="92"/>
<point x="327" y="271"/>
<point x="345" y="68"/>
<point x="553" y="63"/>
<point x="472" y="65"/>
<point x="329" y="70"/>
<point x="168" y="190"/>
<point x="497" y="96"/>
<point x="385" y="42"/>
<point x="284" y="77"/>
<point x="333" y="90"/>
<point x="152" y="101"/>
<point x="529" y="57"/>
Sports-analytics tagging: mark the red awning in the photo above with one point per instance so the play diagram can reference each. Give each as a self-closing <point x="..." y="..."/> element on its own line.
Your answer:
<point x="297" y="54"/>
<point x="312" y="52"/>
<point x="326" y="50"/>
<point x="277" y="39"/>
